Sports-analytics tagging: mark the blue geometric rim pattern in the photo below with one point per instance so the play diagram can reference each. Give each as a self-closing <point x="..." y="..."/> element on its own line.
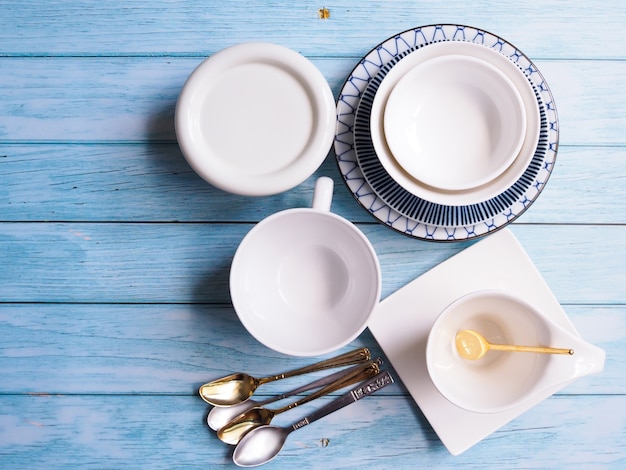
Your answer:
<point x="423" y="219"/>
<point x="413" y="207"/>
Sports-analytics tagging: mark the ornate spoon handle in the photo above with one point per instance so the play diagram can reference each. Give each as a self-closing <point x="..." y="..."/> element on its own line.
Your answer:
<point x="351" y="357"/>
<point x="370" y="386"/>
<point x="351" y="376"/>
<point x="321" y="382"/>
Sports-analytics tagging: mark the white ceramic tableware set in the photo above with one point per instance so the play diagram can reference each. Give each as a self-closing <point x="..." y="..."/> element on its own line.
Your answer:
<point x="443" y="133"/>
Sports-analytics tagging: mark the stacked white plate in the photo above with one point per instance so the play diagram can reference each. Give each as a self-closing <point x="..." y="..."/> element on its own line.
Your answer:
<point x="415" y="125"/>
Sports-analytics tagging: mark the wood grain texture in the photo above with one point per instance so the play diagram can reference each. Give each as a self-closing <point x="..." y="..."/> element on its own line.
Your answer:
<point x="549" y="29"/>
<point x="71" y="99"/>
<point x="173" y="349"/>
<point x="152" y="182"/>
<point x="169" y="431"/>
<point x="189" y="263"/>
<point x="114" y="254"/>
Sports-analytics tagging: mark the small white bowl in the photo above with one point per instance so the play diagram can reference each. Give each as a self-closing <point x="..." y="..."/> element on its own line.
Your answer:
<point x="455" y="122"/>
<point x="305" y="281"/>
<point x="255" y="119"/>
<point x="468" y="196"/>
<point x="500" y="380"/>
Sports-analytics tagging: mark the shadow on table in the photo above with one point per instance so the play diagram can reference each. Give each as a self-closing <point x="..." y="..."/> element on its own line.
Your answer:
<point x="183" y="196"/>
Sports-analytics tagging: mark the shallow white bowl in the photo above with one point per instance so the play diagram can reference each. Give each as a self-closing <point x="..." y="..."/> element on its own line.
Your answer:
<point x="255" y="119"/>
<point x="305" y="281"/>
<point x="454" y="122"/>
<point x="500" y="380"/>
<point x="472" y="195"/>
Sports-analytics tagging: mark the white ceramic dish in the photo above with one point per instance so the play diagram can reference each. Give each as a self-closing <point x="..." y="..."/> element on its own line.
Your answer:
<point x="500" y="381"/>
<point x="454" y="122"/>
<point x="305" y="281"/>
<point x="475" y="193"/>
<point x="255" y="119"/>
<point x="390" y="203"/>
<point x="401" y="324"/>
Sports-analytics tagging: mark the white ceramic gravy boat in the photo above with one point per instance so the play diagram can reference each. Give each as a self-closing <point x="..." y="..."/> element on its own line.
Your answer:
<point x="502" y="380"/>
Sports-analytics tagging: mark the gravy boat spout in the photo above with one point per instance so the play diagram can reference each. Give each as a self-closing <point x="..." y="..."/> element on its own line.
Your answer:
<point x="587" y="358"/>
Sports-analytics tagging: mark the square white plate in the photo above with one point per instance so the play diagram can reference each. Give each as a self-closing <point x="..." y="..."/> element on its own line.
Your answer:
<point x="402" y="321"/>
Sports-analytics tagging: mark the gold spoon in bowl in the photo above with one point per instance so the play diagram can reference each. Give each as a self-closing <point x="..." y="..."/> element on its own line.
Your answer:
<point x="236" y="388"/>
<point x="232" y="432"/>
<point x="472" y="345"/>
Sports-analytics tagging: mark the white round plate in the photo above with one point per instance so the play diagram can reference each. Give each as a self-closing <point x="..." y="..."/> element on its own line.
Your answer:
<point x="454" y="122"/>
<point x="420" y="217"/>
<point x="255" y="119"/>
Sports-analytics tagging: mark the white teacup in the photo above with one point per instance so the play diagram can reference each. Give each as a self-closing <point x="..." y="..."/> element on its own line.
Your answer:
<point x="305" y="281"/>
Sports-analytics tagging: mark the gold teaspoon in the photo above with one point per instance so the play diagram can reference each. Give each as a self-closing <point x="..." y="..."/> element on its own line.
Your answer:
<point x="472" y="345"/>
<point x="235" y="388"/>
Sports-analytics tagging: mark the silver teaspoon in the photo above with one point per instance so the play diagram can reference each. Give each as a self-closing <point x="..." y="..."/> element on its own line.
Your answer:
<point x="264" y="443"/>
<point x="220" y="416"/>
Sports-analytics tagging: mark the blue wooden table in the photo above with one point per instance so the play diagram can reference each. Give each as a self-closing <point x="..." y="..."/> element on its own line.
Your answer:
<point x="114" y="254"/>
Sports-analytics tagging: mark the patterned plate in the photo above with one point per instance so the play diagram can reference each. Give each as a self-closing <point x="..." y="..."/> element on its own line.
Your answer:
<point x="391" y="204"/>
<point x="423" y="209"/>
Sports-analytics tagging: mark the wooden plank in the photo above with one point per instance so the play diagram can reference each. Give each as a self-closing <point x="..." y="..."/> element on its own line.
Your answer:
<point x="170" y="431"/>
<point x="124" y="99"/>
<point x="152" y="183"/>
<point x="149" y="182"/>
<point x="582" y="187"/>
<point x="201" y="28"/>
<point x="145" y="262"/>
<point x="189" y="263"/>
<point x="576" y="91"/>
<point x="113" y="349"/>
<point x="173" y="349"/>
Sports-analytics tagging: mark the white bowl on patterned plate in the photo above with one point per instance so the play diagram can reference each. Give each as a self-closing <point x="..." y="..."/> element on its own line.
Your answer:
<point x="454" y="122"/>
<point x="476" y="194"/>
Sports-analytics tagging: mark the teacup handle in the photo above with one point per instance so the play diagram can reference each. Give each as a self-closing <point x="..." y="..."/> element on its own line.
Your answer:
<point x="323" y="194"/>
